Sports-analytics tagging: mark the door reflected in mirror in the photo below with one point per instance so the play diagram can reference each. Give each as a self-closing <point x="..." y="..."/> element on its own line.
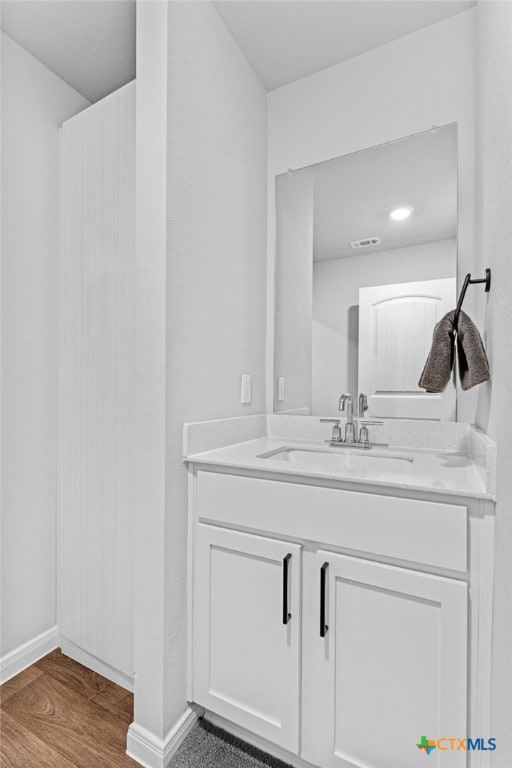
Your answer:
<point x="366" y="264"/>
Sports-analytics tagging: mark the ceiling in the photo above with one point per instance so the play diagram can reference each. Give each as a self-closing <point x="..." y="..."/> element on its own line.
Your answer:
<point x="285" y="40"/>
<point x="90" y="44"/>
<point x="354" y="194"/>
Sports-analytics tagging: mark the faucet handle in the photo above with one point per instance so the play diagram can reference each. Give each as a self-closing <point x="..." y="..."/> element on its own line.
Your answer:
<point x="363" y="404"/>
<point x="364" y="435"/>
<point x="336" y="430"/>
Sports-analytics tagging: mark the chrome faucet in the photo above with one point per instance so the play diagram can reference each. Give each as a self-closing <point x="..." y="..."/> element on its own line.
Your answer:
<point x="346" y="403"/>
<point x="352" y="439"/>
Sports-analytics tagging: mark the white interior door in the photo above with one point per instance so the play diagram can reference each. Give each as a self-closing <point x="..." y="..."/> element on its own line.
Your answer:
<point x="95" y="381"/>
<point x="395" y="335"/>
<point x="392" y="666"/>
<point x="246" y="632"/>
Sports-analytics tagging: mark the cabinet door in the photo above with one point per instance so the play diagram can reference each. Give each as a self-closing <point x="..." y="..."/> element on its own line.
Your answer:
<point x="246" y="631"/>
<point x="391" y="666"/>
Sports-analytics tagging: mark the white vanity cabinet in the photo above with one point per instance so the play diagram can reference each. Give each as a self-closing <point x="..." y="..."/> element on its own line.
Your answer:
<point x="387" y="665"/>
<point x="247" y="631"/>
<point x="318" y="635"/>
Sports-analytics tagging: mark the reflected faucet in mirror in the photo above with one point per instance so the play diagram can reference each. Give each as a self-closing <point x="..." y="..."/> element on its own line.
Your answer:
<point x="346" y="402"/>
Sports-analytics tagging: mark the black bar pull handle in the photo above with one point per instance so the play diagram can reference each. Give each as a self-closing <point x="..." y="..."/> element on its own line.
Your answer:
<point x="323" y="580"/>
<point x="286" y="614"/>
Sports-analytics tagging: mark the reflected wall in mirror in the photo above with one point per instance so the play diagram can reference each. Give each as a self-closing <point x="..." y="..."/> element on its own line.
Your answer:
<point x="366" y="264"/>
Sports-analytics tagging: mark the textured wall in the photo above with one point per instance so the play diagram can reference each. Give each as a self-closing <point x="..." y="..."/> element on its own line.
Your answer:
<point x="150" y="364"/>
<point x="199" y="297"/>
<point x="34" y="104"/>
<point x="494" y="248"/>
<point x="216" y="264"/>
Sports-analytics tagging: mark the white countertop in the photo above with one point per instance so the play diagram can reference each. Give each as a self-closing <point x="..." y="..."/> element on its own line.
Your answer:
<point x="432" y="471"/>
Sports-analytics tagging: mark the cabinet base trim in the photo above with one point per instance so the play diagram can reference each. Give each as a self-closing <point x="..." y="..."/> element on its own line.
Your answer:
<point x="97" y="665"/>
<point x="256" y="741"/>
<point x="150" y="751"/>
<point x="27" y="654"/>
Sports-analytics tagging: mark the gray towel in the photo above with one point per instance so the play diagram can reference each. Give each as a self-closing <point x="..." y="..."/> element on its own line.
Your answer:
<point x="471" y="358"/>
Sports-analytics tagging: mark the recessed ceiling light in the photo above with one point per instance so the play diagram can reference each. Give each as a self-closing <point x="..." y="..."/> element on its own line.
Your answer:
<point x="402" y="213"/>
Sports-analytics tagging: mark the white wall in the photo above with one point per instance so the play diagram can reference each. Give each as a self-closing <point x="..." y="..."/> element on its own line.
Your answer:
<point x="336" y="284"/>
<point x="150" y="288"/>
<point x="494" y="247"/>
<point x="34" y="104"/>
<point x="215" y="293"/>
<point x="216" y="261"/>
<point x="294" y="289"/>
<point x="396" y="90"/>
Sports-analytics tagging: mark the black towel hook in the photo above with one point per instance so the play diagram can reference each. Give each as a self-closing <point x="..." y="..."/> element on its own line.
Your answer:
<point x="469" y="281"/>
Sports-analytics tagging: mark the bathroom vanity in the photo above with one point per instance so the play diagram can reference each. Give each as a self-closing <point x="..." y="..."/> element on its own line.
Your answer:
<point x="340" y="601"/>
<point x="340" y="598"/>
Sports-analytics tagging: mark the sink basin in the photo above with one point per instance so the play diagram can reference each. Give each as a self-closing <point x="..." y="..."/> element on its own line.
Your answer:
<point x="357" y="462"/>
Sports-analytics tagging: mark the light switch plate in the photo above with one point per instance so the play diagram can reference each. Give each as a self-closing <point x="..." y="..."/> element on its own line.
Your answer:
<point x="280" y="389"/>
<point x="246" y="394"/>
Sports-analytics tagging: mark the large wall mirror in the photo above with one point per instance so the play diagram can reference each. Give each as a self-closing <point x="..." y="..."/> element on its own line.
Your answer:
<point x="366" y="264"/>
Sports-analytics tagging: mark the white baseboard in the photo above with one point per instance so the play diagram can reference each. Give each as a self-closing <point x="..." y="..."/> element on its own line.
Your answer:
<point x="22" y="657"/>
<point x="152" y="752"/>
<point x="92" y="662"/>
<point x="257" y="741"/>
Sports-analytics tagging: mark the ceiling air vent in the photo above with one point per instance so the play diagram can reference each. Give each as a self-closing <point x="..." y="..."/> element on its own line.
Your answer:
<point x="366" y="243"/>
